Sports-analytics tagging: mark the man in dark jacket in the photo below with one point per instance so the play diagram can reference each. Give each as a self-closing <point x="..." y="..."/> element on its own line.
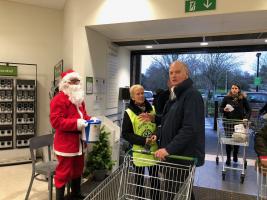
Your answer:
<point x="182" y="129"/>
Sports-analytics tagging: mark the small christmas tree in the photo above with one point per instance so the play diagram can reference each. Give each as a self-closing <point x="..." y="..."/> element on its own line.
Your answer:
<point x="100" y="157"/>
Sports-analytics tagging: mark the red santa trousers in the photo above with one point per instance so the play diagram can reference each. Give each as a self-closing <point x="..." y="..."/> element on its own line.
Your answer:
<point x="68" y="168"/>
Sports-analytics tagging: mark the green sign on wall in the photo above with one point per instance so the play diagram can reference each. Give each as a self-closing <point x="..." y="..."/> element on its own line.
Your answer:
<point x="257" y="81"/>
<point x="8" y="70"/>
<point x="199" y="5"/>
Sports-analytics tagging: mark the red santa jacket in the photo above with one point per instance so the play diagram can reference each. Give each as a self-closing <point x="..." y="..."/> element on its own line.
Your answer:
<point x="63" y="118"/>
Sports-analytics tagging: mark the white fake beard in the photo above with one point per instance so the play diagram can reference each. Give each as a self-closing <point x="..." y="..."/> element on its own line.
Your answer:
<point x="75" y="93"/>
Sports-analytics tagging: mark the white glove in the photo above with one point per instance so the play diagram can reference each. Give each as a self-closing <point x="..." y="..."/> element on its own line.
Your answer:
<point x="264" y="116"/>
<point x="81" y="124"/>
<point x="94" y="119"/>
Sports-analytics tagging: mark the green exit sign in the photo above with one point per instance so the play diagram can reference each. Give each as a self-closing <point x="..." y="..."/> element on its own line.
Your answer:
<point x="199" y="5"/>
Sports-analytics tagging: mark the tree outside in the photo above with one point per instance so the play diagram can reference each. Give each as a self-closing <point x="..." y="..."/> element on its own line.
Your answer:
<point x="213" y="73"/>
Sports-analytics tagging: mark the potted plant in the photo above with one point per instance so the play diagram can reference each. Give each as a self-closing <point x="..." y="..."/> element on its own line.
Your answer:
<point x="98" y="161"/>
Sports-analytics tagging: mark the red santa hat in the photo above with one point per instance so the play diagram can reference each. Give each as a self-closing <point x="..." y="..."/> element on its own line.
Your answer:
<point x="69" y="75"/>
<point x="66" y="77"/>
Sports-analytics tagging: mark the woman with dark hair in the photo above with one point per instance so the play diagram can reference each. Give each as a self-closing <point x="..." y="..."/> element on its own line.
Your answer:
<point x="234" y="106"/>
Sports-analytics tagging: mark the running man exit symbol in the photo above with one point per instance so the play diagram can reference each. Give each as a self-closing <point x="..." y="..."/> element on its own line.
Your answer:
<point x="192" y="6"/>
<point x="199" y="5"/>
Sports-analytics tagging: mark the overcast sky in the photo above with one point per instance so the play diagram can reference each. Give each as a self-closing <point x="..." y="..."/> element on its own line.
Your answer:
<point x="249" y="60"/>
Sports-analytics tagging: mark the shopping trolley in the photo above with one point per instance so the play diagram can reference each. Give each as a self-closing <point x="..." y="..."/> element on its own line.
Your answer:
<point x="261" y="182"/>
<point x="175" y="180"/>
<point x="232" y="132"/>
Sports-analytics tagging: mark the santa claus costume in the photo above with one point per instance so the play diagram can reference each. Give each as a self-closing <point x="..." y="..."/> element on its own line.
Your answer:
<point x="68" y="117"/>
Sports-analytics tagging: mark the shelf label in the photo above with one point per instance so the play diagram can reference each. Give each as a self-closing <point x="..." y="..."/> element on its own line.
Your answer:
<point x="8" y="70"/>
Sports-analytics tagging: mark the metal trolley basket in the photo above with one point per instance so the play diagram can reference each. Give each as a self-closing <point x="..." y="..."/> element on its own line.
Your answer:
<point x="262" y="182"/>
<point x="232" y="132"/>
<point x="175" y="181"/>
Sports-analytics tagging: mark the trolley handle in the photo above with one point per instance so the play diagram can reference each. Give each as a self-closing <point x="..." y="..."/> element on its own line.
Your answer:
<point x="186" y="158"/>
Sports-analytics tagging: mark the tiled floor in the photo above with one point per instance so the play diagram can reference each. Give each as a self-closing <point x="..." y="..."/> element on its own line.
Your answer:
<point x="210" y="175"/>
<point x="14" y="180"/>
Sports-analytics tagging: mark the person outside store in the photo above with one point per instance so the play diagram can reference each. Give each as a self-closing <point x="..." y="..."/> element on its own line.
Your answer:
<point x="162" y="99"/>
<point x="68" y="117"/>
<point x="263" y="111"/>
<point x="156" y="97"/>
<point x="141" y="135"/>
<point x="234" y="106"/>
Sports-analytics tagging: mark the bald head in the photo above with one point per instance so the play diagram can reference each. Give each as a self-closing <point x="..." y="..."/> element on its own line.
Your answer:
<point x="178" y="72"/>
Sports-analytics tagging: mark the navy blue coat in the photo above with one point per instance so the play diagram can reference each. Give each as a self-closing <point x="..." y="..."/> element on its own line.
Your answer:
<point x="182" y="129"/>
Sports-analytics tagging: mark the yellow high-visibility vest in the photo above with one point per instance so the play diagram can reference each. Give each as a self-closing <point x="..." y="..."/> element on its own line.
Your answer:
<point x="144" y="129"/>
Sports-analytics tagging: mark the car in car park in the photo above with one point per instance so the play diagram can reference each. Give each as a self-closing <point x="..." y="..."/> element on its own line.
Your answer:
<point x="219" y="97"/>
<point x="149" y="96"/>
<point x="256" y="99"/>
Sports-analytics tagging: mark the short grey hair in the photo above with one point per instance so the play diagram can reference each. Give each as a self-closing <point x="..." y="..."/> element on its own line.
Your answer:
<point x="134" y="87"/>
<point x="184" y="65"/>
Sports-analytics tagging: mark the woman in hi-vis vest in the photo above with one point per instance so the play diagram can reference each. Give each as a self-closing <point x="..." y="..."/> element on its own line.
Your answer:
<point x="140" y="134"/>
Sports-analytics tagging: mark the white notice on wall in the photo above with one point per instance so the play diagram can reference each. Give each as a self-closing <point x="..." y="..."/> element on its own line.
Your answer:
<point x="99" y="86"/>
<point x="112" y="77"/>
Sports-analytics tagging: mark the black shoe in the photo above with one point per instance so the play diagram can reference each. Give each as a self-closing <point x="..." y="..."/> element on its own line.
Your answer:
<point x="235" y="159"/>
<point x="78" y="197"/>
<point x="60" y="193"/>
<point x="76" y="189"/>
<point x="228" y="162"/>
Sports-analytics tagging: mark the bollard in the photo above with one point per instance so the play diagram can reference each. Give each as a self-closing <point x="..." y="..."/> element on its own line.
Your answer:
<point x="215" y="115"/>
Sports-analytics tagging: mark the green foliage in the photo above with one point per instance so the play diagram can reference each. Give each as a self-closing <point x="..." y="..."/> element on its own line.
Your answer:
<point x="100" y="157"/>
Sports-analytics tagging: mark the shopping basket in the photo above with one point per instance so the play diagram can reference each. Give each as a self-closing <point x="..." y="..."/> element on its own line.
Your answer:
<point x="161" y="180"/>
<point x="232" y="132"/>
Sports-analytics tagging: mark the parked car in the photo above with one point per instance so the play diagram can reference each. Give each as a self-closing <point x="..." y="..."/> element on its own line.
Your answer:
<point x="149" y="96"/>
<point x="257" y="99"/>
<point x="219" y="97"/>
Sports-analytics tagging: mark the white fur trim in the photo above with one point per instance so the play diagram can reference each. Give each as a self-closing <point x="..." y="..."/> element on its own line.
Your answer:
<point x="68" y="76"/>
<point x="70" y="154"/>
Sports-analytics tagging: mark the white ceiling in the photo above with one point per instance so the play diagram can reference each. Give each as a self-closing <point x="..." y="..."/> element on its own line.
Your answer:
<point x="53" y="4"/>
<point x="225" y="24"/>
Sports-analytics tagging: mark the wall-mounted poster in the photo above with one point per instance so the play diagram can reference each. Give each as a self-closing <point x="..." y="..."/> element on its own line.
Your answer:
<point x="58" y="69"/>
<point x="89" y="85"/>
